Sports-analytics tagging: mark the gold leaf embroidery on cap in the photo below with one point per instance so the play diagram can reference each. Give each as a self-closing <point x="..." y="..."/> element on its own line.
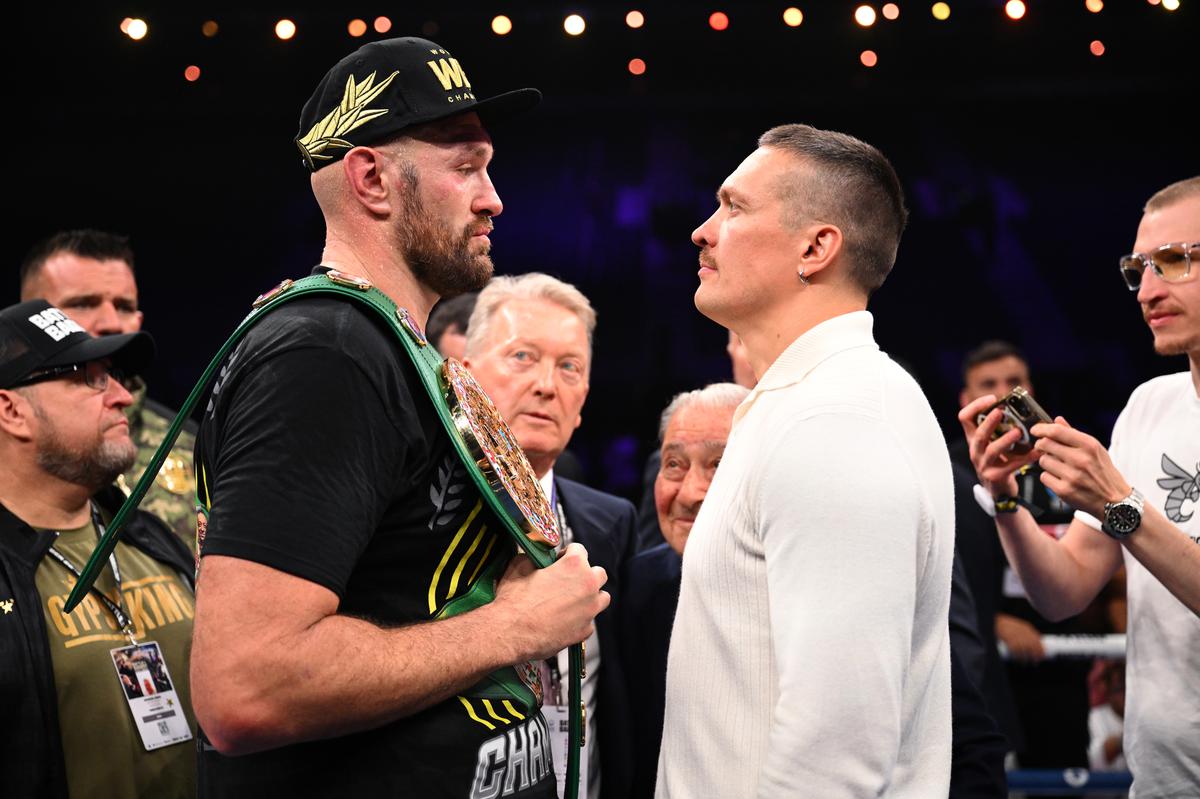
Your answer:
<point x="345" y="117"/>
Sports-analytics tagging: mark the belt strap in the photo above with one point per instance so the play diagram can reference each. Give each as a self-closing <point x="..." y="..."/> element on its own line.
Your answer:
<point x="514" y="512"/>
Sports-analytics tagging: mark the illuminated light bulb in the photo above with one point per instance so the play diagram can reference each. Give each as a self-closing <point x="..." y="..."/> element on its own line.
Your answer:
<point x="1095" y="6"/>
<point x="865" y="16"/>
<point x="868" y="58"/>
<point x="501" y="25"/>
<point x="891" y="11"/>
<point x="574" y="25"/>
<point x="1015" y="9"/>
<point x="137" y="29"/>
<point x="382" y="24"/>
<point x="1097" y="47"/>
<point x="210" y="28"/>
<point x="1170" y="5"/>
<point x="637" y="66"/>
<point x="192" y="74"/>
<point x="635" y="19"/>
<point x="792" y="17"/>
<point x="1152" y="2"/>
<point x="718" y="20"/>
<point x="125" y="25"/>
<point x="356" y="28"/>
<point x="940" y="11"/>
<point x="285" y="29"/>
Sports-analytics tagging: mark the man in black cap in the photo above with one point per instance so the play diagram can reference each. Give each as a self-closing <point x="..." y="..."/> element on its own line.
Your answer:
<point x="89" y="274"/>
<point x="339" y="523"/>
<point x="74" y="724"/>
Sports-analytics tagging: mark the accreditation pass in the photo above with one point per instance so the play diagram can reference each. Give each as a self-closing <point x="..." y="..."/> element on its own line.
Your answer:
<point x="558" y="721"/>
<point x="157" y="711"/>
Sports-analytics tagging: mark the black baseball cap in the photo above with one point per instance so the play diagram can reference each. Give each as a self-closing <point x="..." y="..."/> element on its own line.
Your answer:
<point x="35" y="336"/>
<point x="386" y="86"/>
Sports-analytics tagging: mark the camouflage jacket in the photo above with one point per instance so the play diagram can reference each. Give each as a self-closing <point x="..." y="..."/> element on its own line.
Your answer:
<point x="172" y="496"/>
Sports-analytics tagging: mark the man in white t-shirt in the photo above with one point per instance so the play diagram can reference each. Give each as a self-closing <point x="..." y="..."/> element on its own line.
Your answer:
<point x="1143" y="492"/>
<point x="810" y="654"/>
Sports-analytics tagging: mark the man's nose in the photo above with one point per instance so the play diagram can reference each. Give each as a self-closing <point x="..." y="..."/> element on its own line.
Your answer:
<point x="1152" y="287"/>
<point x="488" y="202"/>
<point x="116" y="394"/>
<point x="694" y="487"/>
<point x="543" y="380"/>
<point x="703" y="236"/>
<point x="106" y="321"/>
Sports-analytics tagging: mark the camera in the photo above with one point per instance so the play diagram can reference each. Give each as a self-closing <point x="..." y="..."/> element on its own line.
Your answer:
<point x="1021" y="412"/>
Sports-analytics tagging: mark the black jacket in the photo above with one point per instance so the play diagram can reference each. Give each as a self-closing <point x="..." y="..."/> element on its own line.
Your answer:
<point x="604" y="524"/>
<point x="650" y="596"/>
<point x="31" y="756"/>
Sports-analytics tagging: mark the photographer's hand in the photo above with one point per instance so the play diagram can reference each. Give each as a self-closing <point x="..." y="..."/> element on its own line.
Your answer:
<point x="994" y="464"/>
<point x="1077" y="467"/>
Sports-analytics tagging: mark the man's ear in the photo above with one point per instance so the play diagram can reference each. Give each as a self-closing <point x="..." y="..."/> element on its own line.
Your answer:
<point x="16" y="414"/>
<point x="820" y="245"/>
<point x="363" y="168"/>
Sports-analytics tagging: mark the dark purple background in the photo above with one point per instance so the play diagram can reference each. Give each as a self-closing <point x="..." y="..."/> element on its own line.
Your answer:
<point x="1025" y="159"/>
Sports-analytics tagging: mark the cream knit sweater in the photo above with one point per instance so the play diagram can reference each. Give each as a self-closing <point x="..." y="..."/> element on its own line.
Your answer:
<point x="810" y="654"/>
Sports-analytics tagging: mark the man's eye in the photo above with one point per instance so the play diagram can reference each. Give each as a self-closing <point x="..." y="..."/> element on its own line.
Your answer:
<point x="523" y="355"/>
<point x="674" y="469"/>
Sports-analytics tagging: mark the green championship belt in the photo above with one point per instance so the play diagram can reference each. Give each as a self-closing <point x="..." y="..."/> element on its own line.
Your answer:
<point x="481" y="439"/>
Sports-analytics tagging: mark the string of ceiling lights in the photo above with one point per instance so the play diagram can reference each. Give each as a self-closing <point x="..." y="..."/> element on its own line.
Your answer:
<point x="575" y="24"/>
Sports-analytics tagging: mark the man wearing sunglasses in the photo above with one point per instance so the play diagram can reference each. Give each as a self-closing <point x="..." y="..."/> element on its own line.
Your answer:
<point x="64" y="439"/>
<point x="1137" y="502"/>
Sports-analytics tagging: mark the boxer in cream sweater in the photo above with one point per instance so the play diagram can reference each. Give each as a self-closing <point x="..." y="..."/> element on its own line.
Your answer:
<point x="810" y="654"/>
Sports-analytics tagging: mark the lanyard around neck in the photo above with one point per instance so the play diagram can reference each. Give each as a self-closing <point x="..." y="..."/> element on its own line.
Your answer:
<point x="115" y="608"/>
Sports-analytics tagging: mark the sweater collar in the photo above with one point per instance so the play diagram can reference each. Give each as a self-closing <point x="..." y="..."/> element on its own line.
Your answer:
<point x="833" y="336"/>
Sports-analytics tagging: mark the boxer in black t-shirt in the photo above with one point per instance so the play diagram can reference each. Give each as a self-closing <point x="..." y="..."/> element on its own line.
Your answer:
<point x="337" y="520"/>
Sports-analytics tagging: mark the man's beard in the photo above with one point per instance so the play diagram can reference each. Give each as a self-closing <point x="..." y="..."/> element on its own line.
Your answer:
<point x="439" y="258"/>
<point x="94" y="468"/>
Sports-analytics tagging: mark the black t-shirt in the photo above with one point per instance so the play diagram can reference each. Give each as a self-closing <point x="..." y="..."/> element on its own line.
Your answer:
<point x="321" y="455"/>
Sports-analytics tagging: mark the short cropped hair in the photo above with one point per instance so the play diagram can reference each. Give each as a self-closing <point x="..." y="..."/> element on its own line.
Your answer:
<point x="1180" y="190"/>
<point x="86" y="243"/>
<point x="989" y="351"/>
<point x="850" y="184"/>
<point x="452" y="313"/>
<point x="531" y="286"/>
<point x="714" y="397"/>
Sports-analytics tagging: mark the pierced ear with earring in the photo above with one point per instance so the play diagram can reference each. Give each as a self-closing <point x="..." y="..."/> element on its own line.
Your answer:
<point x="803" y="280"/>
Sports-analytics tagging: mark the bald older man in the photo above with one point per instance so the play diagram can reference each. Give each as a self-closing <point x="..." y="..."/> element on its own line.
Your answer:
<point x="693" y="431"/>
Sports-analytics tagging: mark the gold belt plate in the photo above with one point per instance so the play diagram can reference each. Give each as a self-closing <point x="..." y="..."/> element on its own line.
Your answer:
<point x="496" y="451"/>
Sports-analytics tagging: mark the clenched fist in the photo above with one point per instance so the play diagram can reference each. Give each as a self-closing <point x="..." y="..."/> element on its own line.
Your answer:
<point x="549" y="609"/>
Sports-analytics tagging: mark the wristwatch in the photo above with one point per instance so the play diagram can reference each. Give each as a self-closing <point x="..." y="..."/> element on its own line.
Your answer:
<point x="993" y="505"/>
<point x="1122" y="518"/>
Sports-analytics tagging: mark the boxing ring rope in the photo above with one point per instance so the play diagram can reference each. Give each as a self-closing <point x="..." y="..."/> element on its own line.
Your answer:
<point x="1078" y="646"/>
<point x="1072" y="781"/>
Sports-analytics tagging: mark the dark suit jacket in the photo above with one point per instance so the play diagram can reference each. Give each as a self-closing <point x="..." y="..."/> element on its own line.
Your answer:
<point x="604" y="524"/>
<point x="648" y="534"/>
<point x="650" y="595"/>
<point x="977" y="747"/>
